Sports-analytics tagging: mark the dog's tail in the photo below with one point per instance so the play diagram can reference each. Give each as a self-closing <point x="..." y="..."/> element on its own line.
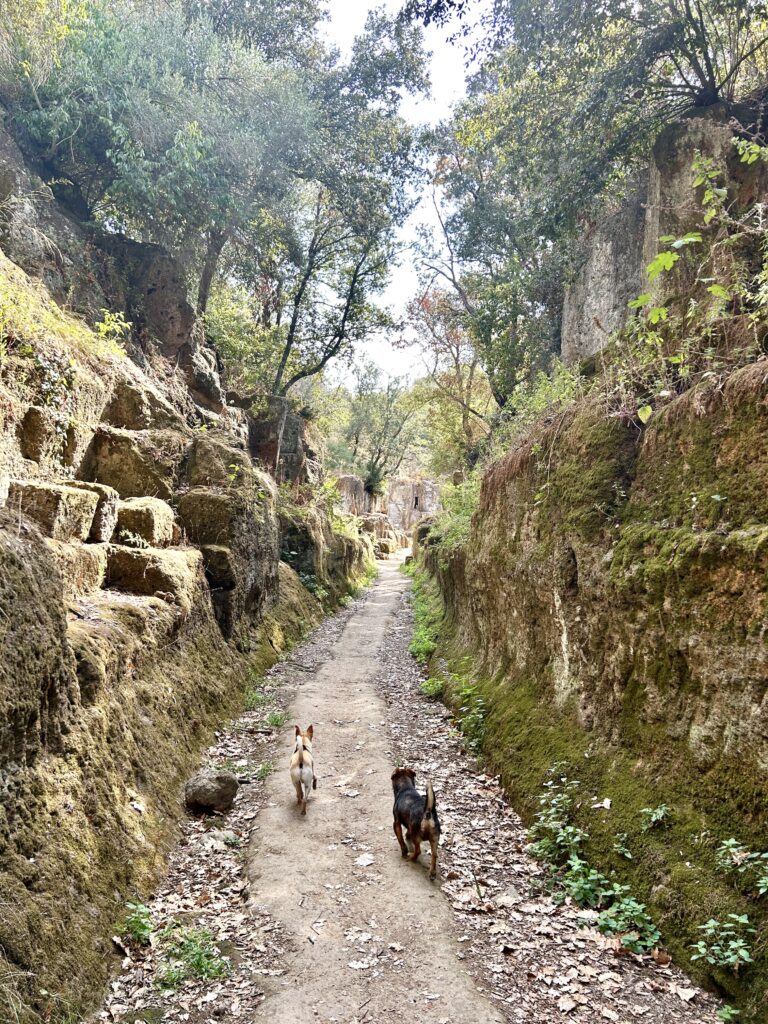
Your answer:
<point x="300" y="748"/>
<point x="429" y="807"/>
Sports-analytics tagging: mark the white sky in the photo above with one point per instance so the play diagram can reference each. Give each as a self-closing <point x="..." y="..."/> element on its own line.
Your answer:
<point x="447" y="75"/>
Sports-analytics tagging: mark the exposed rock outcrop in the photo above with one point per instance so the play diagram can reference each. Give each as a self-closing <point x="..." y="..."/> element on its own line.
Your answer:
<point x="612" y="602"/>
<point x="616" y="250"/>
<point x="140" y="588"/>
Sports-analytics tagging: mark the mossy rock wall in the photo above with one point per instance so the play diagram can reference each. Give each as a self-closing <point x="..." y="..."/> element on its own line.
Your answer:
<point x="119" y="658"/>
<point x="612" y="605"/>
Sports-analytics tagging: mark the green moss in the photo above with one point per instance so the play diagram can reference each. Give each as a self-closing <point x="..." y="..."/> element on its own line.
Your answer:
<point x="583" y="475"/>
<point x="672" y="870"/>
<point x="29" y="317"/>
<point x="706" y="471"/>
<point x="428" y="613"/>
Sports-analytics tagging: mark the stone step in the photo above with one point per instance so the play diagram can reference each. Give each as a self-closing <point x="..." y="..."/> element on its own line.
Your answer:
<point x="151" y="520"/>
<point x="83" y="567"/>
<point x="175" y="575"/>
<point x="61" y="512"/>
<point x="105" y="520"/>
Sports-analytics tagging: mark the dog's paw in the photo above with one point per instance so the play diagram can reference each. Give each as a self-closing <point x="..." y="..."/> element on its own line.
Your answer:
<point x="432" y="876"/>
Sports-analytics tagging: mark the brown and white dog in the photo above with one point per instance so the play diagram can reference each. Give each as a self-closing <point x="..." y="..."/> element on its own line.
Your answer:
<point x="303" y="767"/>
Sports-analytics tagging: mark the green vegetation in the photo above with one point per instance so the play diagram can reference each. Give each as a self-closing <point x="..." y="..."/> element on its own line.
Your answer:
<point x="257" y="695"/>
<point x="432" y="688"/>
<point x="654" y="817"/>
<point x="265" y="770"/>
<point x="189" y="953"/>
<point x="277" y="719"/>
<point x="137" y="924"/>
<point x="557" y="841"/>
<point x="724" y="943"/>
<point x="428" y="613"/>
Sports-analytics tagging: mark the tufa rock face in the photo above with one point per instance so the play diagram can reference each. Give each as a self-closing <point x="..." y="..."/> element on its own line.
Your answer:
<point x="211" y="791"/>
<point x="151" y="291"/>
<point x="150" y="519"/>
<point x="610" y="276"/>
<point x="37" y="678"/>
<point x="617" y="250"/>
<point x="136" y="463"/>
<point x="136" y="405"/>
<point x="633" y="594"/>
<point x="61" y="512"/>
<point x="237" y="532"/>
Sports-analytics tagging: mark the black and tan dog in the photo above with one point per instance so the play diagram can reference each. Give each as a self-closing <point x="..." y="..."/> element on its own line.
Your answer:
<point x="417" y="814"/>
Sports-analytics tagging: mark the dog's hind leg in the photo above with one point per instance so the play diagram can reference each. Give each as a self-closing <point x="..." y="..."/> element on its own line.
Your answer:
<point x="399" y="833"/>
<point x="433" y="848"/>
<point x="299" y="790"/>
<point x="416" y="846"/>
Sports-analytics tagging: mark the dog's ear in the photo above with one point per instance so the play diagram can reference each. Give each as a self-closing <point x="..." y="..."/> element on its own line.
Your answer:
<point x="411" y="774"/>
<point x="309" y="731"/>
<point x="298" y="731"/>
<point x="397" y="773"/>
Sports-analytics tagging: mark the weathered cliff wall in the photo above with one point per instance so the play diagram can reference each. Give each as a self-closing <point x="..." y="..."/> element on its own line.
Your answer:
<point x="615" y="251"/>
<point x="406" y="502"/>
<point x="141" y="588"/>
<point x="612" y="604"/>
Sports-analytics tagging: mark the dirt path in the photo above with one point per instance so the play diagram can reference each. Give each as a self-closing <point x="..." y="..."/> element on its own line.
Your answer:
<point x="373" y="938"/>
<point x="321" y="919"/>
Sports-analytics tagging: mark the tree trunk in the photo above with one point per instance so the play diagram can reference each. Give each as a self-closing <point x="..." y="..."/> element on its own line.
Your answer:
<point x="216" y="239"/>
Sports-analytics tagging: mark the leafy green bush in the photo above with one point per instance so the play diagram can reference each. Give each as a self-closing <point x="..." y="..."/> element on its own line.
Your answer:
<point x="630" y="919"/>
<point x="137" y="925"/>
<point x="190" y="953"/>
<point x="724" y="943"/>
<point x="433" y="688"/>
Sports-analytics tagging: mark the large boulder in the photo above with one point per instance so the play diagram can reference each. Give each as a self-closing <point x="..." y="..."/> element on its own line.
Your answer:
<point x="211" y="790"/>
<point x="138" y="405"/>
<point x="215" y="462"/>
<point x="145" y="519"/>
<point x="172" y="575"/>
<point x="237" y="532"/>
<point x="136" y="463"/>
<point x="62" y="513"/>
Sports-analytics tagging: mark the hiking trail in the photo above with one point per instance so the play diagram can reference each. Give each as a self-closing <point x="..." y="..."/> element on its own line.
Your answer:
<point x="319" y="915"/>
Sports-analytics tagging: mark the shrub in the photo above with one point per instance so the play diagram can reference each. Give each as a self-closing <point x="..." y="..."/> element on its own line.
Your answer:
<point x="137" y="925"/>
<point x="433" y="688"/>
<point x="724" y="943"/>
<point x="191" y="953"/>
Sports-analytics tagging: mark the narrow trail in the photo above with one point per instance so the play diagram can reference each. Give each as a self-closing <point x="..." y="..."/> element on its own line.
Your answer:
<point x="319" y="915"/>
